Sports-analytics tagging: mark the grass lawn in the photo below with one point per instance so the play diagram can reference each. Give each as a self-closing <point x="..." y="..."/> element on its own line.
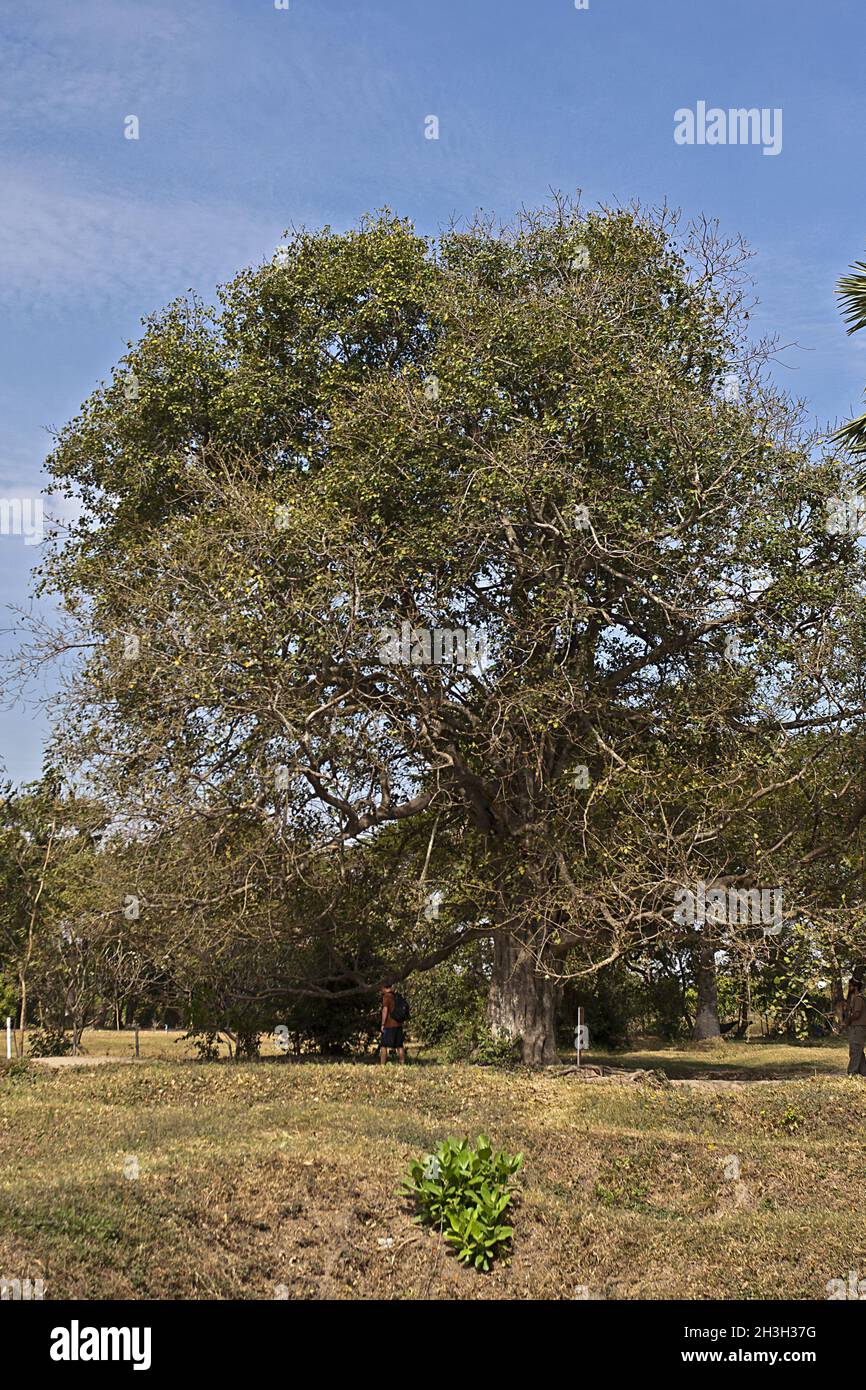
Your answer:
<point x="152" y="1042"/>
<point x="731" y="1060"/>
<point x="172" y="1179"/>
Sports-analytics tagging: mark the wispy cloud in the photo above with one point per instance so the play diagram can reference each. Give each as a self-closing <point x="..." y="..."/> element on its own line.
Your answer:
<point x="61" y="247"/>
<point x="64" y="62"/>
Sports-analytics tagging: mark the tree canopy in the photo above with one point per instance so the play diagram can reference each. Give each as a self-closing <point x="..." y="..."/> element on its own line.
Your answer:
<point x="490" y="565"/>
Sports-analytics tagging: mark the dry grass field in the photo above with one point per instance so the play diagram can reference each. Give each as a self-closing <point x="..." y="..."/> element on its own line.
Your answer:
<point x="173" y="1179"/>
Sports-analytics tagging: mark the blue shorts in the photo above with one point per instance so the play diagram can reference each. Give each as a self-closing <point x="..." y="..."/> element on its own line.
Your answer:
<point x="391" y="1037"/>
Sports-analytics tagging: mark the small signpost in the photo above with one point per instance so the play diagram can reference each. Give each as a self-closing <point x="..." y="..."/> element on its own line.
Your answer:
<point x="581" y="1036"/>
<point x="8" y="1039"/>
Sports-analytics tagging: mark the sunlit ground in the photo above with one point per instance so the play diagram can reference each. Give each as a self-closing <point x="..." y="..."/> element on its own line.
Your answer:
<point x="278" y="1178"/>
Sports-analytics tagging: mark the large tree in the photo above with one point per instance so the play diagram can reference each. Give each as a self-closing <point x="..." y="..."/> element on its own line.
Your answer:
<point x="556" y="440"/>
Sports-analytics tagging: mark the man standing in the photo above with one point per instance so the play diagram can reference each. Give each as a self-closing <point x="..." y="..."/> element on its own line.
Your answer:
<point x="855" y="1018"/>
<point x="392" y="1025"/>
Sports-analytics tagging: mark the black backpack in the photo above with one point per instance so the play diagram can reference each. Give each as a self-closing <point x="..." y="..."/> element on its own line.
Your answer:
<point x="400" y="1010"/>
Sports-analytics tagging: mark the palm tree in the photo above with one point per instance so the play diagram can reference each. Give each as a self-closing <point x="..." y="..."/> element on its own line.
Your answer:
<point x="852" y="295"/>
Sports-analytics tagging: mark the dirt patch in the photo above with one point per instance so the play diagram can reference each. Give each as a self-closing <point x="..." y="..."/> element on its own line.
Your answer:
<point x="642" y="1076"/>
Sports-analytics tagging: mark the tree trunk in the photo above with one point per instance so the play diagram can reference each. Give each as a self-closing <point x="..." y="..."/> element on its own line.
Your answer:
<point x="707" y="1010"/>
<point x="837" y="999"/>
<point x="22" y="1016"/>
<point x="31" y="925"/>
<point x="522" y="1001"/>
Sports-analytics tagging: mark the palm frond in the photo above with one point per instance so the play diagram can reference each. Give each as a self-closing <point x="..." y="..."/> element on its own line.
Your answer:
<point x="852" y="293"/>
<point x="853" y="435"/>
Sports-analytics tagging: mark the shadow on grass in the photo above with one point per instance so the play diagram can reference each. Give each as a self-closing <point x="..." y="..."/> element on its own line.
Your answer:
<point x="758" y="1060"/>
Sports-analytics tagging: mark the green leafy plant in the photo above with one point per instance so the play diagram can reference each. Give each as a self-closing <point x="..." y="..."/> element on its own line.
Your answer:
<point x="466" y="1192"/>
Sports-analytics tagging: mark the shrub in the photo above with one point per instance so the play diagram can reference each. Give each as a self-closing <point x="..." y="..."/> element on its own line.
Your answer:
<point x="490" y="1051"/>
<point x="332" y="1027"/>
<point x="475" y="1043"/>
<point x="449" y="1001"/>
<point x="17" y="1069"/>
<point x="206" y="1043"/>
<point x="247" y="1046"/>
<point x="458" y="1045"/>
<point x="620" y="1004"/>
<point x="466" y="1193"/>
<point x="48" y="1042"/>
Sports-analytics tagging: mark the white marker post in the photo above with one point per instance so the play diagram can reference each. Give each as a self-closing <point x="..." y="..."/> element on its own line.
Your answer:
<point x="581" y="1036"/>
<point x="8" y="1040"/>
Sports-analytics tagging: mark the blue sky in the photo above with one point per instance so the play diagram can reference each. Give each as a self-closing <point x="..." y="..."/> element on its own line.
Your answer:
<point x="252" y="118"/>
